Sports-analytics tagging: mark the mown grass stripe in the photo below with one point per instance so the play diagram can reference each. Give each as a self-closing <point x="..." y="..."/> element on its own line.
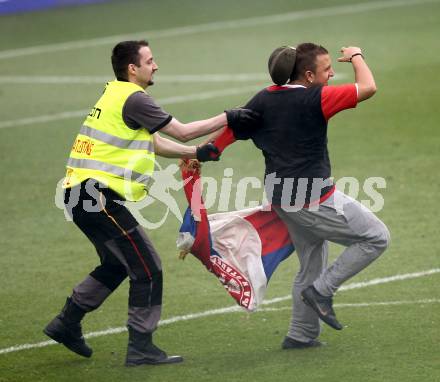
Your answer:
<point x="161" y="101"/>
<point x="214" y="26"/>
<point x="236" y="308"/>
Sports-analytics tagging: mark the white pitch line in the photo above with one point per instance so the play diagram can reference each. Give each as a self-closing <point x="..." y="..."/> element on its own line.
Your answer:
<point x="214" y="26"/>
<point x="236" y="308"/>
<point x="232" y="309"/>
<point x="184" y="78"/>
<point x="389" y="279"/>
<point x="364" y="304"/>
<point x="364" y="284"/>
<point x="208" y="95"/>
<point x="388" y="303"/>
<point x="161" y="101"/>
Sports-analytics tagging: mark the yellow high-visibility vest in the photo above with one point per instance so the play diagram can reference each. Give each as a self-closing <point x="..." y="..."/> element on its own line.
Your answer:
<point x="107" y="150"/>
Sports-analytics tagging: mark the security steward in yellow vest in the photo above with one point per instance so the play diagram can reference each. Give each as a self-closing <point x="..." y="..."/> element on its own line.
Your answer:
<point x="111" y="161"/>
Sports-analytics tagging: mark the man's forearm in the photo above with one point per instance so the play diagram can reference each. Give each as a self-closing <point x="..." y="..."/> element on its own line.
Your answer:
<point x="187" y="131"/>
<point x="363" y="77"/>
<point x="207" y="126"/>
<point x="169" y="149"/>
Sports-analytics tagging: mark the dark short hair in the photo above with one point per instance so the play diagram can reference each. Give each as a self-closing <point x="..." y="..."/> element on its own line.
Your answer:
<point x="306" y="54"/>
<point x="125" y="53"/>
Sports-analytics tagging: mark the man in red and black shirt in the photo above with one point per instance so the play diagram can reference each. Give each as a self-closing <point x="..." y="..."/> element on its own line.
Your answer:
<point x="293" y="138"/>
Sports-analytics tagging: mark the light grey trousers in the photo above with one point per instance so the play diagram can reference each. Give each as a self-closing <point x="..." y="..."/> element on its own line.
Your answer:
<point x="339" y="219"/>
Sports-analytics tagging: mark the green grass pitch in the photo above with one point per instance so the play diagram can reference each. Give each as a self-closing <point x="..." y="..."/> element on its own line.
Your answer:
<point x="395" y="135"/>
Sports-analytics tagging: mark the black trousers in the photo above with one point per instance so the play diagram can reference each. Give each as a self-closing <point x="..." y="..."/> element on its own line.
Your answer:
<point x="123" y="249"/>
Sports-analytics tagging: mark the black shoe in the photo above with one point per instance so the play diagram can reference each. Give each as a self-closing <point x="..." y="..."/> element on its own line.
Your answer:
<point x="142" y="351"/>
<point x="322" y="305"/>
<point x="290" y="343"/>
<point x="66" y="329"/>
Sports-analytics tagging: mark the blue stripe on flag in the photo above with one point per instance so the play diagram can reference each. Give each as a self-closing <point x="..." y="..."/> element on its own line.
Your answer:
<point x="189" y="224"/>
<point x="272" y="260"/>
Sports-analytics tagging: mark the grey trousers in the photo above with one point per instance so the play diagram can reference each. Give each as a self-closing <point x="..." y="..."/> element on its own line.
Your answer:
<point x="339" y="219"/>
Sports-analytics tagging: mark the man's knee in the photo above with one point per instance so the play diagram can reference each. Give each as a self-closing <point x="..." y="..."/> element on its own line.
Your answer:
<point x="382" y="238"/>
<point x="110" y="275"/>
<point x="146" y="292"/>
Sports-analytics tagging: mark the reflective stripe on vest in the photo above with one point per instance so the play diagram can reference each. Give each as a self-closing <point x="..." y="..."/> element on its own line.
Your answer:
<point x="106" y="167"/>
<point x="115" y="141"/>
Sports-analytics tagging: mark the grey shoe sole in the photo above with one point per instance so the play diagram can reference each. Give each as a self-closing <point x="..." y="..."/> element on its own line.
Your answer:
<point x="290" y="343"/>
<point x="149" y="361"/>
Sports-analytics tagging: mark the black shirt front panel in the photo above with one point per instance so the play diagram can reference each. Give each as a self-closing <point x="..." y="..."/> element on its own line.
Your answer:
<point x="293" y="138"/>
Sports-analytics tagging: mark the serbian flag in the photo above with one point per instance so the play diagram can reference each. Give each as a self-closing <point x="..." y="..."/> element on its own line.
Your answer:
<point x="241" y="248"/>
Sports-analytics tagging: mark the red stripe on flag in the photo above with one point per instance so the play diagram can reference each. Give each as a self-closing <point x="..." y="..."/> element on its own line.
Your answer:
<point x="271" y="229"/>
